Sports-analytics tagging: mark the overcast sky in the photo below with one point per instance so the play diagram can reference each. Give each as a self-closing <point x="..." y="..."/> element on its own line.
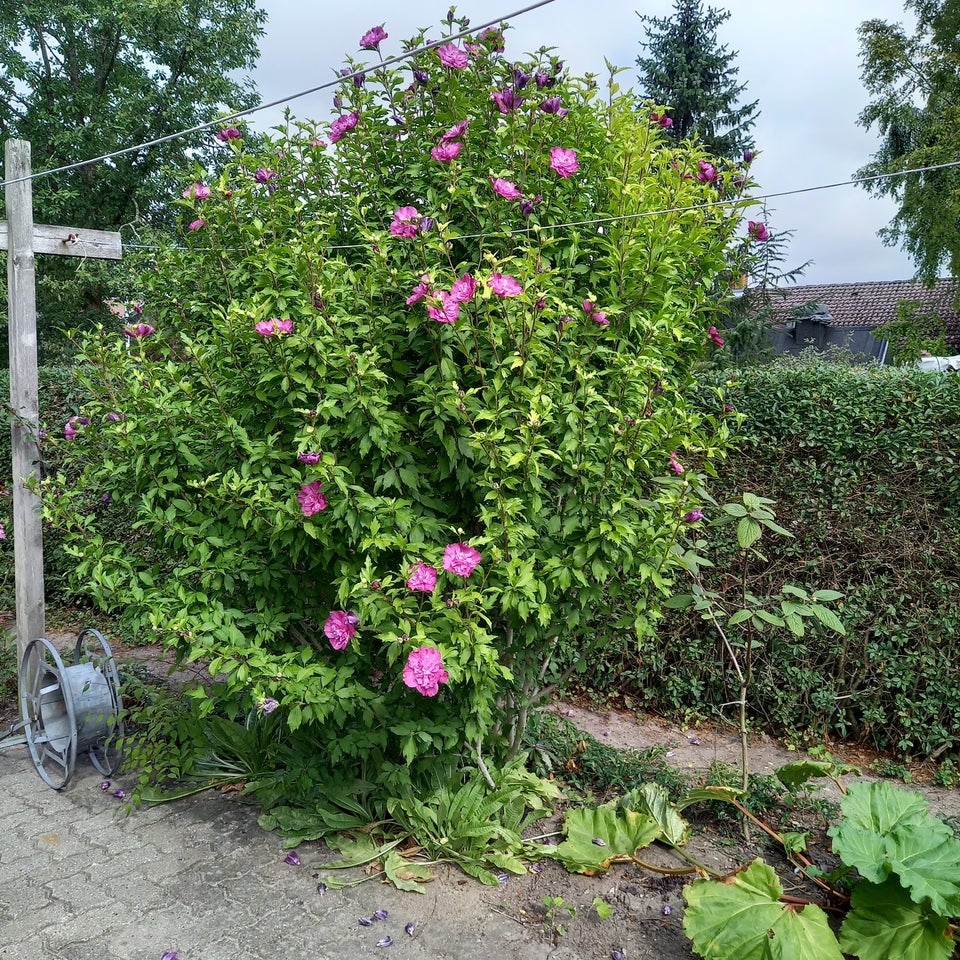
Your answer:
<point x="801" y="60"/>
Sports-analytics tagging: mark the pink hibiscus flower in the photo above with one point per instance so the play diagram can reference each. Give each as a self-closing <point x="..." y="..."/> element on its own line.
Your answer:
<point x="505" y="189"/>
<point x="461" y="559"/>
<point x="311" y="499"/>
<point x="448" y="311"/>
<point x="463" y="289"/>
<point x="564" y="161"/>
<point x="504" y="286"/>
<point x="447" y="151"/>
<point x="340" y="628"/>
<point x="424" y="671"/>
<point x="422" y="577"/>
<point x="452" y="56"/>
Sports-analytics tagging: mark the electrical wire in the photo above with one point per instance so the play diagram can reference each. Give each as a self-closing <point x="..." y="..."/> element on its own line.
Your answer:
<point x="600" y="221"/>
<point x="275" y="103"/>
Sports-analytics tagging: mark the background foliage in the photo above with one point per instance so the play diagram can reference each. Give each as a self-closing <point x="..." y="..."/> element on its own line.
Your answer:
<point x="84" y="78"/>
<point x="863" y="466"/>
<point x="914" y="84"/>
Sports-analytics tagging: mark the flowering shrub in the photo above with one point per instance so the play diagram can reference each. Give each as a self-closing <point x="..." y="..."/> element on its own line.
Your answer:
<point x="382" y="461"/>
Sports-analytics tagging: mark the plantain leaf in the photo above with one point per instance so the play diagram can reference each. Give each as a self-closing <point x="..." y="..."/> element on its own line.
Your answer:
<point x="600" y="836"/>
<point x="885" y="923"/>
<point x="741" y="918"/>
<point x="405" y="875"/>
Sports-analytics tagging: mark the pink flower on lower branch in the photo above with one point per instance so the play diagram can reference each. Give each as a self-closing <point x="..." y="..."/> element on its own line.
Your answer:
<point x="311" y="499"/>
<point x="714" y="335"/>
<point x="340" y="628"/>
<point x="461" y="559"/>
<point x="424" y="671"/>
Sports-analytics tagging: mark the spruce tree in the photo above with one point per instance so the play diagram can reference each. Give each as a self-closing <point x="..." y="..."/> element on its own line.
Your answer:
<point x="688" y="70"/>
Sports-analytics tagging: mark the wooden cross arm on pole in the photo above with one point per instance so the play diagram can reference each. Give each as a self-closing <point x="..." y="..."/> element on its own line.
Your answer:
<point x="70" y="242"/>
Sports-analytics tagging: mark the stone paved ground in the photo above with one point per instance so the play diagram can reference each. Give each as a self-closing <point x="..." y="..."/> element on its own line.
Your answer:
<point x="80" y="881"/>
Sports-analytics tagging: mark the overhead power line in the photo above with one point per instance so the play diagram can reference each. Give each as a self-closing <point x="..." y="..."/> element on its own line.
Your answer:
<point x="275" y="103"/>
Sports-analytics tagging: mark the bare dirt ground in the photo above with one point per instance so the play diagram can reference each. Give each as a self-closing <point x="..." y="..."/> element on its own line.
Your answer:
<point x="550" y="913"/>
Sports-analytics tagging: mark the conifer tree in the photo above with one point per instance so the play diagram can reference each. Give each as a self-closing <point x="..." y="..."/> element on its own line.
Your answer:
<point x="688" y="70"/>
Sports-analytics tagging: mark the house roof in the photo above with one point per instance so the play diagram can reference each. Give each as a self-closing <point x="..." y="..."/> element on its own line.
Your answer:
<point x="867" y="305"/>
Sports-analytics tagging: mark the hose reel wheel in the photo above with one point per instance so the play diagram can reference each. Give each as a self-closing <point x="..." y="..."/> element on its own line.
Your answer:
<point x="71" y="709"/>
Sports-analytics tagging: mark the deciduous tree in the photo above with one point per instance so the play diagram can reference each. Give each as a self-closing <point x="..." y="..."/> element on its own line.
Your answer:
<point x="84" y="78"/>
<point x="914" y="81"/>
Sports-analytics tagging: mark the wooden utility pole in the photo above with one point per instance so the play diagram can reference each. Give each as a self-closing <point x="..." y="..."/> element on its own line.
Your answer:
<point x="22" y="238"/>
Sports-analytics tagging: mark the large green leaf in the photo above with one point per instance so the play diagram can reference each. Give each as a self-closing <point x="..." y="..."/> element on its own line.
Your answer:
<point x="653" y="800"/>
<point x="881" y="807"/>
<point x="926" y="858"/>
<point x="741" y="918"/>
<point x="887" y="831"/>
<point x="600" y="836"/>
<point x="885" y="924"/>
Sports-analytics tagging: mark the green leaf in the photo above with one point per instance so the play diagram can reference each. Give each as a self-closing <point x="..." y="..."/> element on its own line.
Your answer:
<point x="741" y="918"/>
<point x="885" y="923"/>
<point x="357" y="850"/>
<point x="679" y="602"/>
<point x="653" y="800"/>
<point x="927" y="863"/>
<point x="889" y="830"/>
<point x="600" y="836"/>
<point x="795" y="774"/>
<point x="748" y="532"/>
<point x="404" y="874"/>
<point x="713" y="793"/>
<point x="827" y="595"/>
<point x="829" y="619"/>
<point x="739" y="617"/>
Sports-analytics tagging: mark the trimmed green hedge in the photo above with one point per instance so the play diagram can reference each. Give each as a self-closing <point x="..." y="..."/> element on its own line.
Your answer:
<point x="863" y="466"/>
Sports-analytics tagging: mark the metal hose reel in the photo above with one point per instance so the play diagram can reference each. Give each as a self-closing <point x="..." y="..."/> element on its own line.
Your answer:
<point x="72" y="709"/>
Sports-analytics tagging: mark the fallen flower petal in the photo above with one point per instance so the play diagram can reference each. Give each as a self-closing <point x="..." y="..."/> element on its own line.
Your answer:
<point x="408" y="929"/>
<point x="105" y="786"/>
<point x="385" y="942"/>
<point x="598" y="842"/>
<point x="365" y="921"/>
<point x="293" y="858"/>
<point x="381" y="914"/>
<point x="119" y="794"/>
<point x="170" y="955"/>
<point x="321" y="888"/>
<point x="667" y="909"/>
